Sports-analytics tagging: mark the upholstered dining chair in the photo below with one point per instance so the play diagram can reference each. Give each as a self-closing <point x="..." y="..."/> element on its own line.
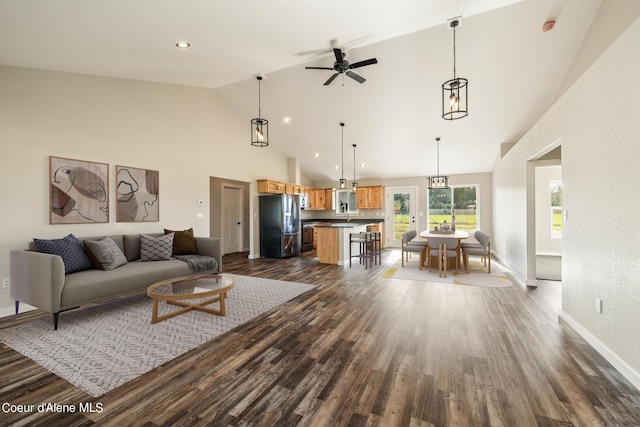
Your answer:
<point x="443" y="248"/>
<point x="483" y="250"/>
<point x="408" y="247"/>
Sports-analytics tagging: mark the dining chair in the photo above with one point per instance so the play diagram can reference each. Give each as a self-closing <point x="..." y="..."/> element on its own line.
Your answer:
<point x="483" y="250"/>
<point x="408" y="247"/>
<point x="443" y="248"/>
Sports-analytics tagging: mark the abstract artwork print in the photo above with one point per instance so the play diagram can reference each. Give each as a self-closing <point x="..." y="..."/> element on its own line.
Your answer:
<point x="79" y="191"/>
<point x="137" y="191"/>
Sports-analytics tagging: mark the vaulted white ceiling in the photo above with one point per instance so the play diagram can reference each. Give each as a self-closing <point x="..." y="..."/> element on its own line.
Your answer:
<point x="515" y="70"/>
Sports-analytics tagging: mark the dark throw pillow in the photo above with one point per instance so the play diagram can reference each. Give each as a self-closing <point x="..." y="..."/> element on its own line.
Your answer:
<point x="106" y="252"/>
<point x="184" y="243"/>
<point x="69" y="249"/>
<point x="156" y="248"/>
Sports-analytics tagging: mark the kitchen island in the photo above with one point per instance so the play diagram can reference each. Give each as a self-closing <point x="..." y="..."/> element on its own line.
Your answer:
<point x="332" y="246"/>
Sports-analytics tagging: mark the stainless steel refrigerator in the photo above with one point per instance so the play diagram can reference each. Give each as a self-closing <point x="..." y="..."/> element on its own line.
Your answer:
<point x="280" y="234"/>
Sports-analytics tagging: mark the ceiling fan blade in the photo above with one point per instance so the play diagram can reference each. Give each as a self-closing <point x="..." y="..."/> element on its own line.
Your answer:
<point x="332" y="78"/>
<point x="318" y="68"/>
<point x="356" y="77"/>
<point x="338" y="53"/>
<point x="363" y="63"/>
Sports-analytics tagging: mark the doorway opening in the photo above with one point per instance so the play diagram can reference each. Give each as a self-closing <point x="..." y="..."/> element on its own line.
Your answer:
<point x="545" y="215"/>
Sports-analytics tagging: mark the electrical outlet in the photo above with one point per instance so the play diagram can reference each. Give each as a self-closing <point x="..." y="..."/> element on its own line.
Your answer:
<point x="598" y="305"/>
<point x="6" y="282"/>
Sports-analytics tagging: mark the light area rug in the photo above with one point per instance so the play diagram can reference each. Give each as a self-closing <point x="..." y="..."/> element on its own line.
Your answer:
<point x="477" y="276"/>
<point x="101" y="347"/>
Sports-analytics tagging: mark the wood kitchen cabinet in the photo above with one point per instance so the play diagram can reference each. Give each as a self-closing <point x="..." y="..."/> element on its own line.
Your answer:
<point x="376" y="197"/>
<point x="370" y="197"/>
<point x="269" y="186"/>
<point x="363" y="197"/>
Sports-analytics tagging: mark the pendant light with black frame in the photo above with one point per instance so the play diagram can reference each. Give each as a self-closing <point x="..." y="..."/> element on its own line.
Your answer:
<point x="354" y="186"/>
<point x="438" y="182"/>
<point x="454" y="91"/>
<point x="259" y="126"/>
<point x="343" y="182"/>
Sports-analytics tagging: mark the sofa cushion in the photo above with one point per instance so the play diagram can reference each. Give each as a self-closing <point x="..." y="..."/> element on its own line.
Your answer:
<point x="69" y="249"/>
<point x="106" y="253"/>
<point x="156" y="248"/>
<point x="184" y="242"/>
<point x="94" y="285"/>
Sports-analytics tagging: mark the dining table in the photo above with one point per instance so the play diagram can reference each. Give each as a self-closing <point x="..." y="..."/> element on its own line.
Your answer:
<point x="458" y="234"/>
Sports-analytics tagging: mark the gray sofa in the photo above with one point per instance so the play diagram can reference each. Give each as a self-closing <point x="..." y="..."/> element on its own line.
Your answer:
<point x="39" y="279"/>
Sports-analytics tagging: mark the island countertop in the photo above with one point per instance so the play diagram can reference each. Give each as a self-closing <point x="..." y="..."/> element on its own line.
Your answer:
<point x="341" y="224"/>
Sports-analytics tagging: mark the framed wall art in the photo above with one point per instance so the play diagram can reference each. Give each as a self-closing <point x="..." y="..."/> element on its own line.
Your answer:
<point x="137" y="195"/>
<point x="79" y="191"/>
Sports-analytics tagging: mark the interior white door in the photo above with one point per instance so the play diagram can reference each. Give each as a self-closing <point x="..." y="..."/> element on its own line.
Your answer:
<point x="400" y="216"/>
<point x="231" y="219"/>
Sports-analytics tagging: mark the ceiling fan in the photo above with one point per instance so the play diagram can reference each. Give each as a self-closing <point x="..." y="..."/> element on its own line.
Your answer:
<point x="342" y="66"/>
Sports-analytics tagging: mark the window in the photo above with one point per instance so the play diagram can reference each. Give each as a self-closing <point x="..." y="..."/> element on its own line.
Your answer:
<point x="556" y="209"/>
<point x="465" y="207"/>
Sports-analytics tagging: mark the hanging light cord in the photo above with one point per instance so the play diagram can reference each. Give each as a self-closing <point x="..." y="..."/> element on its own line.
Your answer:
<point x="259" y="92"/>
<point x="354" y="162"/>
<point x="342" y="129"/>
<point x="454" y="48"/>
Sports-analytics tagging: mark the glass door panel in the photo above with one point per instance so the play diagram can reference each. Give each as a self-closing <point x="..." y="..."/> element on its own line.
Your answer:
<point x="401" y="213"/>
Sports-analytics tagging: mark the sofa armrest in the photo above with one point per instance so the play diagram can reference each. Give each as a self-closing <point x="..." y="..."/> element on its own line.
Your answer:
<point x="210" y="246"/>
<point x="37" y="279"/>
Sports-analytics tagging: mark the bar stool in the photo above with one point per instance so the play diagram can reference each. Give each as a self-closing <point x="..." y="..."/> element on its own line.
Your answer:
<point x="375" y="247"/>
<point x="362" y="239"/>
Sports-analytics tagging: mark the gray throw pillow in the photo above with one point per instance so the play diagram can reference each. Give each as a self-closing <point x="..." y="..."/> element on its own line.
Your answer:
<point x="156" y="248"/>
<point x="106" y="252"/>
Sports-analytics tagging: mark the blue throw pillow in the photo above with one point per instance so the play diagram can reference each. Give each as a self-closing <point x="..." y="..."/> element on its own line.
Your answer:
<point x="69" y="249"/>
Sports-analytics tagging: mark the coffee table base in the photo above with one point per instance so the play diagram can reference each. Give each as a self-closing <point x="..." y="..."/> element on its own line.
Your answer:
<point x="188" y="307"/>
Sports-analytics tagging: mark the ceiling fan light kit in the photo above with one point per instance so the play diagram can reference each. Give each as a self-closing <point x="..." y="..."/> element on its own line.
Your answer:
<point x="259" y="126"/>
<point x="454" y="91"/>
<point x="344" y="67"/>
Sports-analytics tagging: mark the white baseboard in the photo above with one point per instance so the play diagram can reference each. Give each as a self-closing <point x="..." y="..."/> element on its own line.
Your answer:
<point x="10" y="311"/>
<point x="627" y="371"/>
<point x="512" y="272"/>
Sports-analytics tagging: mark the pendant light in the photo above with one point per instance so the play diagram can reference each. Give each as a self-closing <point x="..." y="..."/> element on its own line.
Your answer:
<point x="354" y="186"/>
<point x="454" y="91"/>
<point x="438" y="182"/>
<point x="343" y="182"/>
<point x="259" y="126"/>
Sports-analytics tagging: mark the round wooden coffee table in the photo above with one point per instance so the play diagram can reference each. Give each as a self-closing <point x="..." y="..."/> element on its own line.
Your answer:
<point x="178" y="291"/>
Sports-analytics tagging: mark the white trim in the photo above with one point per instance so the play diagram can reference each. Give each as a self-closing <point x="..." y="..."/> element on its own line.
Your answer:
<point x="549" y="253"/>
<point x="11" y="311"/>
<point x="621" y="366"/>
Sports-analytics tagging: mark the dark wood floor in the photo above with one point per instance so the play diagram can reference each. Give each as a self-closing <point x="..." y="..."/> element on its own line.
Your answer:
<point x="360" y="350"/>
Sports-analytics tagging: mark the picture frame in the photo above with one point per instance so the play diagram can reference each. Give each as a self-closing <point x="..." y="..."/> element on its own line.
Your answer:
<point x="78" y="191"/>
<point x="137" y="194"/>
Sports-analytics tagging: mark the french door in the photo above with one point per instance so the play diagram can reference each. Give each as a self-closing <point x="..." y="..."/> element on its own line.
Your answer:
<point x="400" y="216"/>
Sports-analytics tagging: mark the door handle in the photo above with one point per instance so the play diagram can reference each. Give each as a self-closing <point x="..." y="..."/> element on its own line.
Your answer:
<point x="238" y="223"/>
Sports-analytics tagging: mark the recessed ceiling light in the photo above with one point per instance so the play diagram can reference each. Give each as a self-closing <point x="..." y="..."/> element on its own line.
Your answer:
<point x="316" y="155"/>
<point x="286" y="120"/>
<point x="336" y="167"/>
<point x="363" y="165"/>
<point x="183" y="45"/>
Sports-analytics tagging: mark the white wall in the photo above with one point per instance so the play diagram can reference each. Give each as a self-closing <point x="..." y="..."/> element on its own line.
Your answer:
<point x="596" y="121"/>
<point x="188" y="134"/>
